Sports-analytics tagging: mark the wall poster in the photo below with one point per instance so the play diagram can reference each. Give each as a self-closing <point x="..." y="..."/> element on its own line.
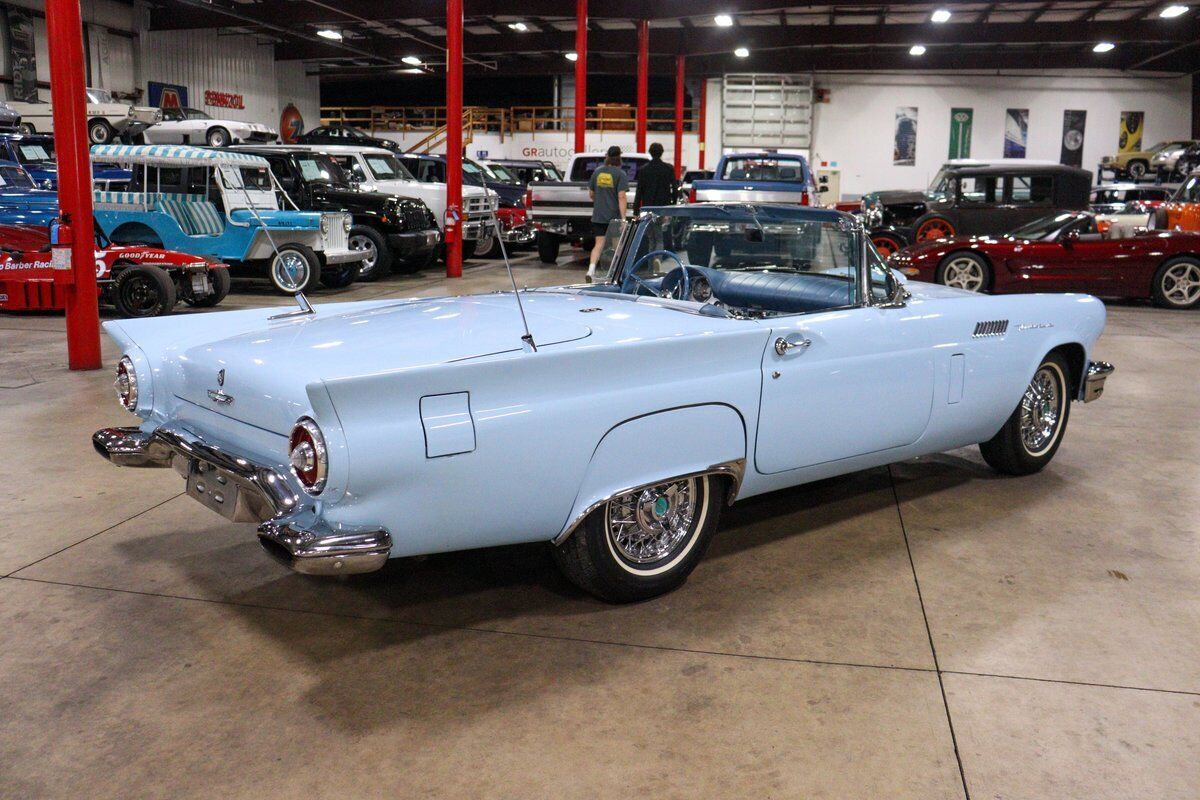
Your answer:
<point x="1132" y="123"/>
<point x="1072" y="138"/>
<point x="21" y="56"/>
<point x="904" y="147"/>
<point x="960" y="132"/>
<point x="1016" y="132"/>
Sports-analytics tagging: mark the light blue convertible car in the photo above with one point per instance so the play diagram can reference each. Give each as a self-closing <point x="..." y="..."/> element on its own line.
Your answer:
<point x="732" y="350"/>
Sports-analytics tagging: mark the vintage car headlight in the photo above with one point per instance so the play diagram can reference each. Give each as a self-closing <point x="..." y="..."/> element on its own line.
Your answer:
<point x="307" y="455"/>
<point x="346" y="223"/>
<point x="324" y="225"/>
<point x="126" y="384"/>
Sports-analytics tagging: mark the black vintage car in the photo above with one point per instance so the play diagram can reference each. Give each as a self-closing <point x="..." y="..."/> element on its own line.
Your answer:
<point x="397" y="232"/>
<point x="975" y="199"/>
<point x="345" y="134"/>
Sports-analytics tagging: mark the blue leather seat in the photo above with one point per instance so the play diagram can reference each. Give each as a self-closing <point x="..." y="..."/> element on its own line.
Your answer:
<point x="783" y="292"/>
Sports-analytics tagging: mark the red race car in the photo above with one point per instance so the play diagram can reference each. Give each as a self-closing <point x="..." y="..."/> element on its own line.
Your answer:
<point x="1074" y="251"/>
<point x="140" y="281"/>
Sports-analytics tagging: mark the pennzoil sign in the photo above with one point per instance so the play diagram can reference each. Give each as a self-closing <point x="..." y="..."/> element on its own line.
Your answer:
<point x="223" y="99"/>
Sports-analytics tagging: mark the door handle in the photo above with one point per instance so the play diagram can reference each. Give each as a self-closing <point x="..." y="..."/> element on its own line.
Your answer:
<point x="782" y="345"/>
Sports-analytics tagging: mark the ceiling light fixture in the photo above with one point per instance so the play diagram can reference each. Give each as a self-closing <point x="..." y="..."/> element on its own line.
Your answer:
<point x="941" y="15"/>
<point x="572" y="56"/>
<point x="412" y="60"/>
<point x="723" y="20"/>
<point x="917" y="50"/>
<point x="1170" y="12"/>
<point x="742" y="52"/>
<point x="1103" y="47"/>
<point x="413" y="71"/>
<point x="327" y="33"/>
<point x="518" y="26"/>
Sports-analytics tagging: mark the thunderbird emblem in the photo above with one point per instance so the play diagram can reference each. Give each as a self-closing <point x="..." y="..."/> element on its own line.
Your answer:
<point x="220" y="377"/>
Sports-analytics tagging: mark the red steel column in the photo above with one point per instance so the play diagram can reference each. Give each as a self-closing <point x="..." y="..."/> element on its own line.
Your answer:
<point x="703" y="119"/>
<point x="679" y="61"/>
<point x="454" y="137"/>
<point x="643" y="83"/>
<point x="581" y="21"/>
<point x="64" y="32"/>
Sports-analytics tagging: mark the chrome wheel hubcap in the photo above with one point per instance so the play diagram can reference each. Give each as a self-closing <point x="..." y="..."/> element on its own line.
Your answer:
<point x="290" y="271"/>
<point x="365" y="245"/>
<point x="964" y="273"/>
<point x="1041" y="410"/>
<point x="651" y="524"/>
<point x="1181" y="284"/>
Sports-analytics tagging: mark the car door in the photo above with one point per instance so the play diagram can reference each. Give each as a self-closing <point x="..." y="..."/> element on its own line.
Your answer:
<point x="979" y="207"/>
<point x="844" y="382"/>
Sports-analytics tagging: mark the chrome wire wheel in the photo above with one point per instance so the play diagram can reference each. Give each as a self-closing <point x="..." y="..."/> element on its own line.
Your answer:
<point x="1181" y="284"/>
<point x="964" y="273"/>
<point x="289" y="270"/>
<point x="360" y="243"/>
<point x="1042" y="410"/>
<point x="653" y="524"/>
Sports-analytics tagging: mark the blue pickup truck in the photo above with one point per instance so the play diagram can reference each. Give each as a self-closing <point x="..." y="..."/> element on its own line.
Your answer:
<point x="21" y="202"/>
<point x="35" y="152"/>
<point x="758" y="178"/>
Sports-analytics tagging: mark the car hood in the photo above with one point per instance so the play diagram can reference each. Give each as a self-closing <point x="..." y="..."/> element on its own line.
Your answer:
<point x="267" y="370"/>
<point x="888" y="196"/>
<point x="30" y="198"/>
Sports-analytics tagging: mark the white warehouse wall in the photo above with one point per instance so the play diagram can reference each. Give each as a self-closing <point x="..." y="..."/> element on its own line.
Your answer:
<point x="855" y="128"/>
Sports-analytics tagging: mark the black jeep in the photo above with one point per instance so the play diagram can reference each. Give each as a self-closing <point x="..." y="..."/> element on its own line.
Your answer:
<point x="397" y="232"/>
<point x="974" y="199"/>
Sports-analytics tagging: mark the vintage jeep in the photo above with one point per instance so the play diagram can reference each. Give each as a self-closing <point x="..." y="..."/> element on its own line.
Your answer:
<point x="195" y="200"/>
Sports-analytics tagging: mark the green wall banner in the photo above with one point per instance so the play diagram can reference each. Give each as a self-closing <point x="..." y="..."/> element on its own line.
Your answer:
<point x="960" y="132"/>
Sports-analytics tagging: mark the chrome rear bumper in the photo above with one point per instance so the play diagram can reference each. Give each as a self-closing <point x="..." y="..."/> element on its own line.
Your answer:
<point x="243" y="491"/>
<point x="1093" y="384"/>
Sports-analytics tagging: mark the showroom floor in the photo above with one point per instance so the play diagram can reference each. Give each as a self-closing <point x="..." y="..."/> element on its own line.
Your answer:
<point x="918" y="631"/>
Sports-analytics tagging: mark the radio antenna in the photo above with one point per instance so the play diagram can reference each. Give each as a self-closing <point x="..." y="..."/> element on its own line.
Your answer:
<point x="528" y="337"/>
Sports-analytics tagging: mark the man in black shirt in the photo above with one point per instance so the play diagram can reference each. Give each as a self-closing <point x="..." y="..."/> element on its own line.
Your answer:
<point x="655" y="182"/>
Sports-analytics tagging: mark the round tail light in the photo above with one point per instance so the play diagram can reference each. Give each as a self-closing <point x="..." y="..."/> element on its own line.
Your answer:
<point x="307" y="455"/>
<point x="126" y="384"/>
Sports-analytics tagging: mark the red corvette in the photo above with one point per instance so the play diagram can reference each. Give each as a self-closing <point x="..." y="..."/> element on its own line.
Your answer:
<point x="1069" y="252"/>
<point x="140" y="281"/>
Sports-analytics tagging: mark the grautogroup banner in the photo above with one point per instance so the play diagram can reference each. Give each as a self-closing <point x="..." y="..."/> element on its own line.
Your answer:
<point x="961" y="120"/>
<point x="1016" y="132"/>
<point x="1132" y="123"/>
<point x="904" y="149"/>
<point x="1072" y="138"/>
<point x="21" y="56"/>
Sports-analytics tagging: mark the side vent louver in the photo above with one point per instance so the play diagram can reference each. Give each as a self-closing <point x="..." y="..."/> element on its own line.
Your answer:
<point x="993" y="327"/>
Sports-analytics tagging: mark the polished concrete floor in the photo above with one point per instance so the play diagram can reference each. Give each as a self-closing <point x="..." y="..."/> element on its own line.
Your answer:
<point x="927" y="630"/>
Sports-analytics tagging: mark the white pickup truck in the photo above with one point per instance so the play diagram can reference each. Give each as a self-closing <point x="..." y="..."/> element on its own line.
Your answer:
<point x="563" y="211"/>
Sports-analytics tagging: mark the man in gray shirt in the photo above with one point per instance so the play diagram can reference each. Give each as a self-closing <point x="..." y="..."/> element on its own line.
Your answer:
<point x="607" y="188"/>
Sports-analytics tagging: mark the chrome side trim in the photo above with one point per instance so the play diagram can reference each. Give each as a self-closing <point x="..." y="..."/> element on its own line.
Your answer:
<point x="317" y="549"/>
<point x="264" y="492"/>
<point x="735" y="469"/>
<point x="1093" y="384"/>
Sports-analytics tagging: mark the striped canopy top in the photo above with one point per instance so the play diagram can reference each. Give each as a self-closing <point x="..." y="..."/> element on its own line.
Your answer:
<point x="174" y="154"/>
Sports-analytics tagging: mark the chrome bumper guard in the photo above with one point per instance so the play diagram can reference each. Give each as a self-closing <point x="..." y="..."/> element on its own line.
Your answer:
<point x="288" y="532"/>
<point x="1093" y="384"/>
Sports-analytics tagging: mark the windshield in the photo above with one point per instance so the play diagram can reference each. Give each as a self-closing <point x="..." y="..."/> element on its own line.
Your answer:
<point x="1044" y="227"/>
<point x="387" y="168"/>
<point x="939" y="187"/>
<point x="815" y="261"/>
<point x="317" y="168"/>
<point x="501" y="173"/>
<point x="194" y="113"/>
<point x="15" y="178"/>
<point x="99" y="96"/>
<point x="1188" y="191"/>
<point x="765" y="168"/>
<point x="33" y="153"/>
<point x="581" y="171"/>
<point x="473" y="173"/>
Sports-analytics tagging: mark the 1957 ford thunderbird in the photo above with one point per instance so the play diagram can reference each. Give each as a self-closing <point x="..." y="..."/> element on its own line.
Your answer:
<point x="731" y="350"/>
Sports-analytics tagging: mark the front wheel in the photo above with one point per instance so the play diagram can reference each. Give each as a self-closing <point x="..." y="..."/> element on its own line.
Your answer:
<point x="964" y="270"/>
<point x="100" y="132"/>
<point x="26" y="128"/>
<point x="295" y="268"/>
<point x="339" y="276"/>
<point x="217" y="137"/>
<point x="645" y="542"/>
<point x="1138" y="169"/>
<point x="887" y="244"/>
<point x="1032" y="434"/>
<point x="377" y="259"/>
<point x="1177" y="284"/>
<point x="143" y="290"/>
<point x="488" y="248"/>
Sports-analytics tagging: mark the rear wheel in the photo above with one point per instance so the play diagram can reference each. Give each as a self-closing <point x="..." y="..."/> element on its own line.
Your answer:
<point x="220" y="282"/>
<point x="887" y="244"/>
<point x="377" y="259"/>
<point x="547" y="247"/>
<point x="964" y="270"/>
<point x="100" y="132"/>
<point x="1032" y="434"/>
<point x="1177" y="284"/>
<point x="643" y="543"/>
<point x="295" y="268"/>
<point x="143" y="290"/>
<point x="934" y="226"/>
<point x="26" y="128"/>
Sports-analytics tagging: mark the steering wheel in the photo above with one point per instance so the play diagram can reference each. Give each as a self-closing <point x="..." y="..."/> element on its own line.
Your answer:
<point x="631" y="276"/>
